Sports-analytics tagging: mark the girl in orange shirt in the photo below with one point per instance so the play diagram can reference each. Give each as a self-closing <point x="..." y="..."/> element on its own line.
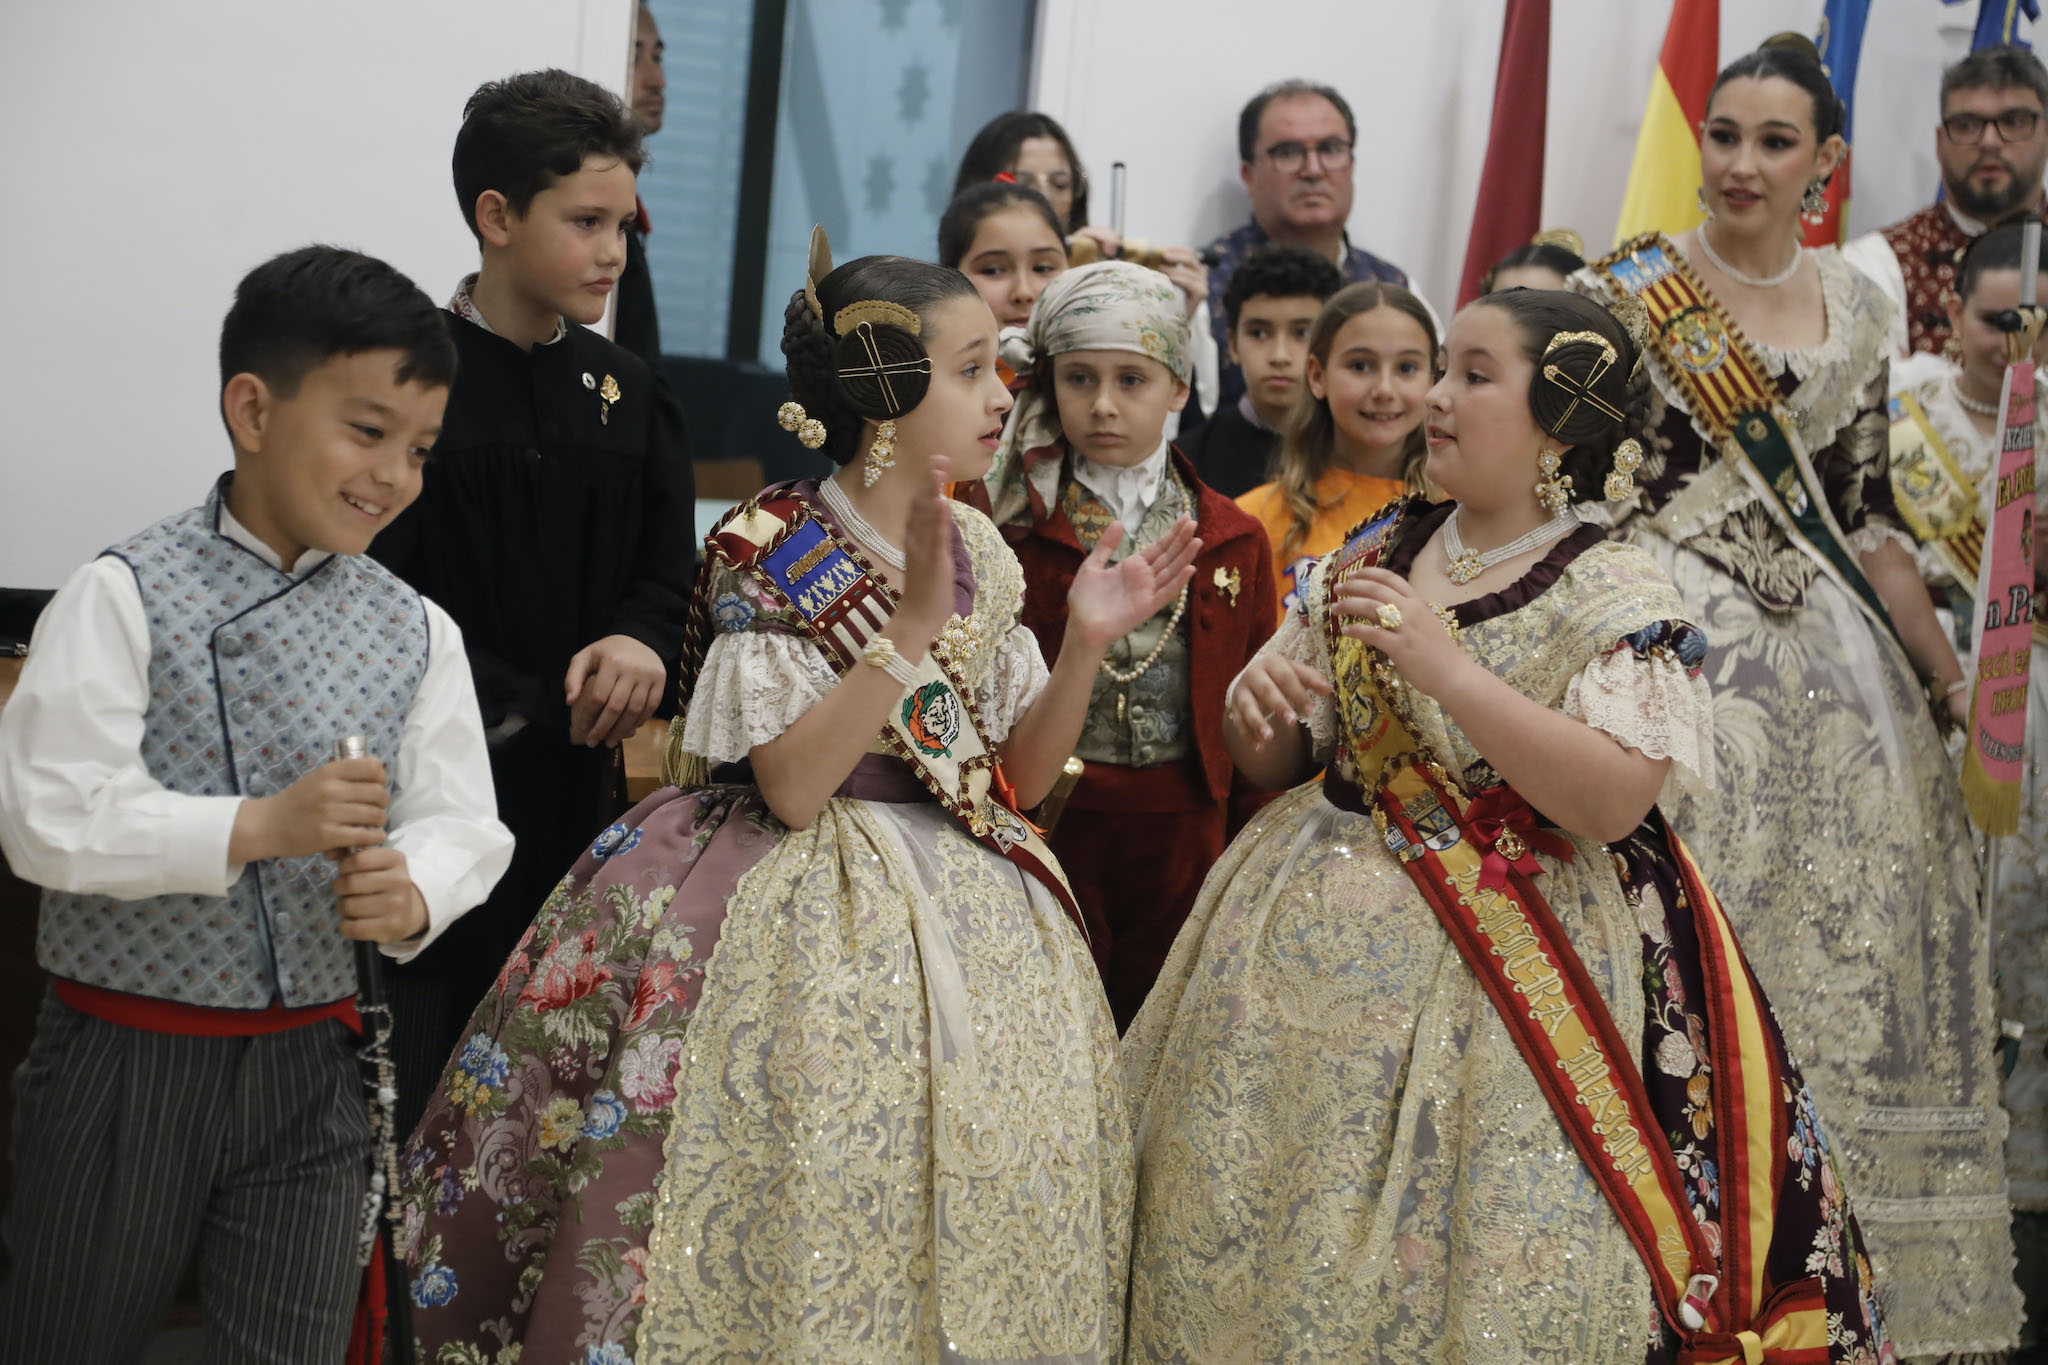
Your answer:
<point x="1354" y="440"/>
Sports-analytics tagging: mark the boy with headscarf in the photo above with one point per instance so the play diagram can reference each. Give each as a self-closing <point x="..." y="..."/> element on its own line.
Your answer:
<point x="1102" y="362"/>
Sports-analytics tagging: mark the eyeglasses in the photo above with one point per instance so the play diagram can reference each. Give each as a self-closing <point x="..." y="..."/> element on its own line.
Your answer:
<point x="2014" y="125"/>
<point x="1288" y="158"/>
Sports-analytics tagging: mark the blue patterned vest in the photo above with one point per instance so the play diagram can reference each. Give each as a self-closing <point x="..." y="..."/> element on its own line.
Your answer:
<point x="252" y="677"/>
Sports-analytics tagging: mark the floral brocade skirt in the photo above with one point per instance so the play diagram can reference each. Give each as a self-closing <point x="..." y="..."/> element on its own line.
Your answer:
<point x="746" y="1092"/>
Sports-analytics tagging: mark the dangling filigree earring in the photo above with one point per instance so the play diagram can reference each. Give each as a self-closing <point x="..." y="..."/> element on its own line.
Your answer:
<point x="1553" y="490"/>
<point x="1628" y="458"/>
<point x="1813" y="205"/>
<point x="1700" y="195"/>
<point x="880" y="451"/>
<point x="809" y="430"/>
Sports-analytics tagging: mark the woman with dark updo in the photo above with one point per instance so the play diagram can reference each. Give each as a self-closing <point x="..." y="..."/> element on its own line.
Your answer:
<point x="806" y="1058"/>
<point x="1457" y="1057"/>
<point x="1839" y="842"/>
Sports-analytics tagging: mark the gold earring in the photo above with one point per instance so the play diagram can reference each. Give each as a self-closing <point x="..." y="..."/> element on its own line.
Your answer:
<point x="1553" y="490"/>
<point x="880" y="453"/>
<point x="809" y="430"/>
<point x="1813" y="205"/>
<point x="1628" y="458"/>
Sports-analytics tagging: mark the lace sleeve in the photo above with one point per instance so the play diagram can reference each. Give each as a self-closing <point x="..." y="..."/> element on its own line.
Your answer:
<point x="1014" y="681"/>
<point x="1295" y="641"/>
<point x="1648" y="694"/>
<point x="754" y="685"/>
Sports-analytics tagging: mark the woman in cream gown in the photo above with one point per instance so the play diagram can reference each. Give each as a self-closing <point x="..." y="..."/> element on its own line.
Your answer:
<point x="1838" y="840"/>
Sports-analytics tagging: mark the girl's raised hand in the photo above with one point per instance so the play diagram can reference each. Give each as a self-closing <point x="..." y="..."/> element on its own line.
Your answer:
<point x="1109" y="600"/>
<point x="1411" y="635"/>
<point x="927" y="599"/>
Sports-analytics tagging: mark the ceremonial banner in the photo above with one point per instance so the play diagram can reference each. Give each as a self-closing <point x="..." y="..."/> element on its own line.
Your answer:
<point x="1840" y="42"/>
<point x="2005" y="619"/>
<point x="1510" y="205"/>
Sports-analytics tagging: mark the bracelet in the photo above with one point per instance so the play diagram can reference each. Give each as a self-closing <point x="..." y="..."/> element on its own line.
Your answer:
<point x="881" y="653"/>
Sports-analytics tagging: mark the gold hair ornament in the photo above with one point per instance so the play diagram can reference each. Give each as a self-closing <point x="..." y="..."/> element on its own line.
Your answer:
<point x="819" y="266"/>
<point x="876" y="311"/>
<point x="1628" y="458"/>
<point x="1628" y="310"/>
<point x="1561" y="237"/>
<point x="809" y="430"/>
<point x="1581" y="390"/>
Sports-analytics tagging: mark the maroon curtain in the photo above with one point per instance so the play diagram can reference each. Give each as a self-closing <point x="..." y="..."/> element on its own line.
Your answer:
<point x="1511" y="185"/>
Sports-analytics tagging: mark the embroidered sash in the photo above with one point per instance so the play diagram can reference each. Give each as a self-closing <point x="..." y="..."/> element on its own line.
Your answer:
<point x="792" y="555"/>
<point x="1937" y="498"/>
<point x="1727" y="389"/>
<point x="1472" y="858"/>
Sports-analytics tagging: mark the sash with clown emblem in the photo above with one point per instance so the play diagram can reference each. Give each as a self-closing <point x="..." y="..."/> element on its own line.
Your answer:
<point x="1728" y="391"/>
<point x="1472" y="856"/>
<point x="790" y="552"/>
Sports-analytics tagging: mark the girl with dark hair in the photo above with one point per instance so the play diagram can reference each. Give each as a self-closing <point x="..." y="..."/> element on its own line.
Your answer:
<point x="1843" y="851"/>
<point x="806" y="1058"/>
<point x="1353" y="442"/>
<point x="1457" y="1056"/>
<point x="1944" y="450"/>
<point x="1544" y="262"/>
<point x="1007" y="240"/>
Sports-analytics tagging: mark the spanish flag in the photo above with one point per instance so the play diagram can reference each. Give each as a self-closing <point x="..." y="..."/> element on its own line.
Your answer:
<point x="1664" y="179"/>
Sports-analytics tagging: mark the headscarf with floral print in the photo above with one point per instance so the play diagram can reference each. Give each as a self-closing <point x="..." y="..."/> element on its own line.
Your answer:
<point x="1108" y="306"/>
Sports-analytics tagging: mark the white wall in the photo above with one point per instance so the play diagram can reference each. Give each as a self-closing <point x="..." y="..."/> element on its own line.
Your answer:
<point x="1158" y="83"/>
<point x="155" y="150"/>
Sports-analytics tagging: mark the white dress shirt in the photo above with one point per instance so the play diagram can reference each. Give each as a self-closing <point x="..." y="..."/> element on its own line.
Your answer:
<point x="1128" y="491"/>
<point x="80" y="812"/>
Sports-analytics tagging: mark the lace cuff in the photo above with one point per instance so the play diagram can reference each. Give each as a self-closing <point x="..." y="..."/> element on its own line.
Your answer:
<point x="1014" y="681"/>
<point x="1872" y="534"/>
<point x="1655" y="703"/>
<point x="1295" y="641"/>
<point x="753" y="686"/>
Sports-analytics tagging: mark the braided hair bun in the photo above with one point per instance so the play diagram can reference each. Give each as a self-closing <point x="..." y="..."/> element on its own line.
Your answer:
<point x="825" y="370"/>
<point x="1587" y="388"/>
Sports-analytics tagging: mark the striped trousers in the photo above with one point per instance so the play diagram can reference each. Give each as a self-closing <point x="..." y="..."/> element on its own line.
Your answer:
<point x="134" y="1150"/>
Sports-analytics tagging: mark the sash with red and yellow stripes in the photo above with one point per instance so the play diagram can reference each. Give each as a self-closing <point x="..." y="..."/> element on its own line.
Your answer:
<point x="791" y="554"/>
<point x="1727" y="389"/>
<point x="1472" y="856"/>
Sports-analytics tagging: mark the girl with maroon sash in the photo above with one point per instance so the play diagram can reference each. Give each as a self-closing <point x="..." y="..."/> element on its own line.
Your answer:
<point x="1457" y="1057"/>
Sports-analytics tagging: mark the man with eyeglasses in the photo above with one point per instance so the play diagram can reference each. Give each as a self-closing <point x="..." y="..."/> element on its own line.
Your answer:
<point x="1992" y="144"/>
<point x="1294" y="145"/>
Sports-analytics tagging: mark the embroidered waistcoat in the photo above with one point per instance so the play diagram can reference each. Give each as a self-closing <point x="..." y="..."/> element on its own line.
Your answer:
<point x="253" y="674"/>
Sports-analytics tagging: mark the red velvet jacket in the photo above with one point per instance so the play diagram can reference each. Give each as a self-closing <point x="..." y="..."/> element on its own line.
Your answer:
<point x="1225" y="628"/>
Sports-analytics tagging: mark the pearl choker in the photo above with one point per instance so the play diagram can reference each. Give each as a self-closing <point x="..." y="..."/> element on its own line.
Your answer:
<point x="1969" y="404"/>
<point x="1466" y="564"/>
<point x="842" y="508"/>
<point x="1753" y="281"/>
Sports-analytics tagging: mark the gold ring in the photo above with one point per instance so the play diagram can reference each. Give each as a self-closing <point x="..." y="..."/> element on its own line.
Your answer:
<point x="1390" y="616"/>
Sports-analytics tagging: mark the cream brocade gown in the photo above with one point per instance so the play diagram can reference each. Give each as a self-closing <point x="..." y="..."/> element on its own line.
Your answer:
<point x="1837" y="840"/>
<point x="1342" y="1154"/>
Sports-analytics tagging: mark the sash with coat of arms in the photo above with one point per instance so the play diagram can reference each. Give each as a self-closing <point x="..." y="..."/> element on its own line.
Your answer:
<point x="1472" y="856"/>
<point x="790" y="552"/>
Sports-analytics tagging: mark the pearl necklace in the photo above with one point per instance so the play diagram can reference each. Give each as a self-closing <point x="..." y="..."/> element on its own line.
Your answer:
<point x="842" y="508"/>
<point x="1466" y="564"/>
<point x="1753" y="281"/>
<point x="1969" y="404"/>
<point x="1125" y="677"/>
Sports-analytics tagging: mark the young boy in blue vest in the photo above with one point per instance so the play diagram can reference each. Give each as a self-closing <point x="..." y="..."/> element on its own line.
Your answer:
<point x="193" y="1087"/>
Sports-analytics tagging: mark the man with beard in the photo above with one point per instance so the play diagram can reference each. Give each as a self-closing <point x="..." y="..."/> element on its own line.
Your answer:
<point x="1294" y="147"/>
<point x="1992" y="144"/>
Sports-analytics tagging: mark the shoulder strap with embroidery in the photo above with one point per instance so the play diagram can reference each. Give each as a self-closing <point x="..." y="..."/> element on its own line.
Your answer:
<point x="790" y="552"/>
<point x="1728" y="390"/>
<point x="1472" y="857"/>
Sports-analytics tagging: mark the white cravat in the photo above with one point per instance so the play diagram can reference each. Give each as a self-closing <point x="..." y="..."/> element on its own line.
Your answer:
<point x="1128" y="491"/>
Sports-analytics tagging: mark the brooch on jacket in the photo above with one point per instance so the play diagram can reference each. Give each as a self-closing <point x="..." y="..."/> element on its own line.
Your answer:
<point x="1229" y="582"/>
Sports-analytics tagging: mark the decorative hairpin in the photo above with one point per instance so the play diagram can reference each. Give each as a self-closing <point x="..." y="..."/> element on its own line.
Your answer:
<point x="1581" y="390"/>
